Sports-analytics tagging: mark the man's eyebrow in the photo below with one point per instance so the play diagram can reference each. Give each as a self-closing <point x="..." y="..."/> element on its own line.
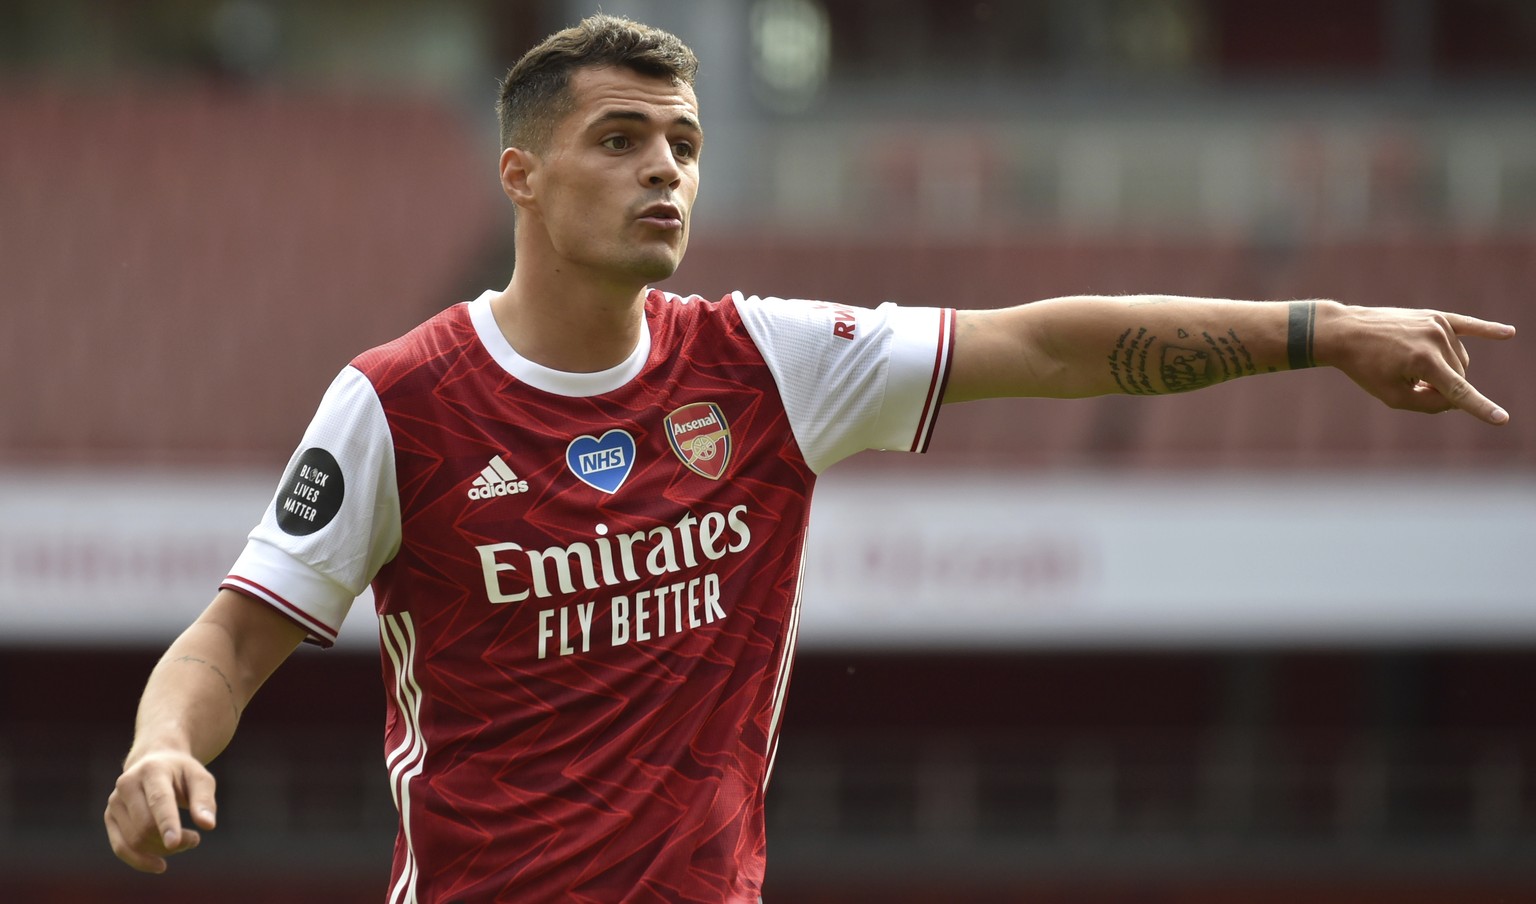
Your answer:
<point x="683" y="119"/>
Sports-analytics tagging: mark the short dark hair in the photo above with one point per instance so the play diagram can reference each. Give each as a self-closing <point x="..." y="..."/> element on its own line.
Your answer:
<point x="535" y="93"/>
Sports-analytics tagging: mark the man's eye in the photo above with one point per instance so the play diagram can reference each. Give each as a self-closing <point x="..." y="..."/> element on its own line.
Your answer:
<point x="683" y="149"/>
<point x="616" y="142"/>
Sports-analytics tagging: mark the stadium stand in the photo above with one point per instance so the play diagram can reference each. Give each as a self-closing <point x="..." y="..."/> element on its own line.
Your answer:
<point x="205" y="255"/>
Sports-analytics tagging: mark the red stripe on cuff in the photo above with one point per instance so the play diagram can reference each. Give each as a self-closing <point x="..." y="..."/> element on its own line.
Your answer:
<point x="942" y="356"/>
<point x="308" y="622"/>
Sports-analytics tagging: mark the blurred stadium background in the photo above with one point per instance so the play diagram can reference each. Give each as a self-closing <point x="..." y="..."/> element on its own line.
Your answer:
<point x="1269" y="642"/>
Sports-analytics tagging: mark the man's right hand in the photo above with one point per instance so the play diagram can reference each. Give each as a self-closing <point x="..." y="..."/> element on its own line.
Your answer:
<point x="143" y="814"/>
<point x="188" y="713"/>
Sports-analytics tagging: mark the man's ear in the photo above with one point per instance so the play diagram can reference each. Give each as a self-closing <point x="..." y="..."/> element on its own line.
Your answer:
<point x="517" y="169"/>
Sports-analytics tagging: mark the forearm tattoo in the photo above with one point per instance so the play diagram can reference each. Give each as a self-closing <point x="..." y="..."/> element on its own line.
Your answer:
<point x="222" y="677"/>
<point x="1180" y="366"/>
<point x="1298" y="340"/>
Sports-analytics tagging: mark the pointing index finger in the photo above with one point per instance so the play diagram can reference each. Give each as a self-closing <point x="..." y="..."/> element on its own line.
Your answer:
<point x="1465" y="325"/>
<point x="1462" y="394"/>
<point x="160" y="800"/>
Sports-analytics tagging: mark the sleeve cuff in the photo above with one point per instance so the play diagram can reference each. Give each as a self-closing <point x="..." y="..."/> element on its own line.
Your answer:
<point x="314" y="602"/>
<point x="916" y="390"/>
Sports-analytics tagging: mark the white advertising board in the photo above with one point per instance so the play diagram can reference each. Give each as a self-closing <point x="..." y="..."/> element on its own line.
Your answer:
<point x="1139" y="560"/>
<point x="910" y="561"/>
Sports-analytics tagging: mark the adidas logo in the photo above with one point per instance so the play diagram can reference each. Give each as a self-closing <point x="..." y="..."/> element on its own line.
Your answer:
<point x="497" y="480"/>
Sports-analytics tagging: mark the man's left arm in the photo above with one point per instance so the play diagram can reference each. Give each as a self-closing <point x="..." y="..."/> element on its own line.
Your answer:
<point x="1156" y="344"/>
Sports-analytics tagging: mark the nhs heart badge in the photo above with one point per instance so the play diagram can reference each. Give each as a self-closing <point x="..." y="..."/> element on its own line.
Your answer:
<point x="604" y="462"/>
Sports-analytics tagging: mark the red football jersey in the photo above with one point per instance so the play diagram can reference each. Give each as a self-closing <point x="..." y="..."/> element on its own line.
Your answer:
<point x="587" y="584"/>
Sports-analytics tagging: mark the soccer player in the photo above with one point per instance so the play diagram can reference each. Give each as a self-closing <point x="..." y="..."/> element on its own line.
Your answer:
<point x="582" y="505"/>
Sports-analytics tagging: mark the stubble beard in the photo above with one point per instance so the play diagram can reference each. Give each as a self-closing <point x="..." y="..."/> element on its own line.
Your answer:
<point x="650" y="266"/>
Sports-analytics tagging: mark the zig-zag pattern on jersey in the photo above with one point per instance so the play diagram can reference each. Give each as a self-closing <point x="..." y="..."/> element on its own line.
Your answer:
<point x="652" y="782"/>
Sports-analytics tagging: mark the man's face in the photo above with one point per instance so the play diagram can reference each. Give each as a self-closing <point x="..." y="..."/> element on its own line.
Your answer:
<point x="614" y="189"/>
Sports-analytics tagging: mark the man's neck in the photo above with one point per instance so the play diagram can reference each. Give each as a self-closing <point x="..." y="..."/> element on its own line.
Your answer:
<point x="570" y="325"/>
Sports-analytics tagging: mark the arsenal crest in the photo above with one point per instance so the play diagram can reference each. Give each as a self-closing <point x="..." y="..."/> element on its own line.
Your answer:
<point x="700" y="437"/>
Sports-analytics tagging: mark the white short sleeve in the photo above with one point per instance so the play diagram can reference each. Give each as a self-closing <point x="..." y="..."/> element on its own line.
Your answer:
<point x="335" y="520"/>
<point x="853" y="378"/>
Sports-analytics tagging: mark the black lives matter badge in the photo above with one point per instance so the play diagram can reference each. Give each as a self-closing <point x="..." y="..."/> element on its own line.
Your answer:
<point x="311" y="493"/>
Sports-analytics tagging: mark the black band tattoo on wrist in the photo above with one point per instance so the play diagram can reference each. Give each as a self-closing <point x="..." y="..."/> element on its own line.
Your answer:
<point x="1298" y="341"/>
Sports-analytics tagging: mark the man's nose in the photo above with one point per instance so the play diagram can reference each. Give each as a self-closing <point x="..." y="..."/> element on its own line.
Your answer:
<point x="660" y="166"/>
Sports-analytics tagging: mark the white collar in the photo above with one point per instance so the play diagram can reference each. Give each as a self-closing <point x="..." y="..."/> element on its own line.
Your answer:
<point x="548" y="379"/>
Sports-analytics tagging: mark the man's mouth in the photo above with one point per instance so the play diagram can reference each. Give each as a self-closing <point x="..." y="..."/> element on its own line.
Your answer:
<point x="663" y="215"/>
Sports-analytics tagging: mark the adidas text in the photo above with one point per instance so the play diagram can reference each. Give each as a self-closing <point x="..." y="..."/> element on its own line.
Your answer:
<point x="510" y="488"/>
<point x="497" y="479"/>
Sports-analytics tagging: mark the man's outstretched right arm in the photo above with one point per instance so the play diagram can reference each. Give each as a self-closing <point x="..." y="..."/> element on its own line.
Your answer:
<point x="1151" y="344"/>
<point x="188" y="713"/>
